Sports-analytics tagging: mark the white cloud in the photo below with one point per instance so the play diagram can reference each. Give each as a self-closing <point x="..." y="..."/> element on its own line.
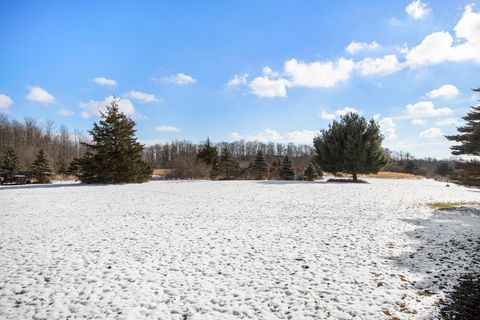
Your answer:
<point x="93" y="107"/>
<point x="344" y="111"/>
<point x="318" y="74"/>
<point x="431" y="133"/>
<point x="448" y="122"/>
<point x="388" y="127"/>
<point x="300" y="136"/>
<point x="165" y="128"/>
<point x="5" y="102"/>
<point x="438" y="46"/>
<point x="65" y="112"/>
<point x="268" y="135"/>
<point x="355" y="46"/>
<point x="151" y="142"/>
<point x="237" y="80"/>
<point x="382" y="66"/>
<point x="326" y="115"/>
<point x="104" y="81"/>
<point x="447" y="90"/>
<point x="40" y="95"/>
<point x="180" y="79"/>
<point x="141" y="96"/>
<point x="426" y="109"/>
<point x="266" y="87"/>
<point x="418" y="122"/>
<point x="234" y="136"/>
<point x="267" y="71"/>
<point x="337" y="113"/>
<point x="417" y="9"/>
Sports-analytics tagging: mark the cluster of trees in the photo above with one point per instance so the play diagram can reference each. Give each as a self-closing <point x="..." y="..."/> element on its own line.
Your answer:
<point x="223" y="164"/>
<point x="41" y="170"/>
<point x="28" y="137"/>
<point x="350" y="145"/>
<point x="427" y="167"/>
<point x="182" y="157"/>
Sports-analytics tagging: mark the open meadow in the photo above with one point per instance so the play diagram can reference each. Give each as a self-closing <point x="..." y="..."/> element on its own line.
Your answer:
<point x="233" y="249"/>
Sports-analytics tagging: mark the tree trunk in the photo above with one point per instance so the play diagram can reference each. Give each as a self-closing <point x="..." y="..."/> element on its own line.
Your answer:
<point x="354" y="177"/>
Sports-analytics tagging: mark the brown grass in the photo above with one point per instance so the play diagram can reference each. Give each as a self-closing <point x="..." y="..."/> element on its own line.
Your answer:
<point x="392" y="175"/>
<point x="162" y="172"/>
<point x="451" y="205"/>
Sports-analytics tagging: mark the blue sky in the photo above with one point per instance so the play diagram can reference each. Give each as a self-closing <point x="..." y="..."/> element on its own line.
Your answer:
<point x="265" y="70"/>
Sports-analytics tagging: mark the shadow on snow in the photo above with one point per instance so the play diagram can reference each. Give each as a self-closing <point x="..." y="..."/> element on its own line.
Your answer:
<point x="446" y="246"/>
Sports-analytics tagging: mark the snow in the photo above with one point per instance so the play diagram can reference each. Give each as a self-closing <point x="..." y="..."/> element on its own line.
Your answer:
<point x="232" y="249"/>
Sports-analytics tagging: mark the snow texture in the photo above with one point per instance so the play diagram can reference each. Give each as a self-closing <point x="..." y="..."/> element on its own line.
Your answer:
<point x="232" y="249"/>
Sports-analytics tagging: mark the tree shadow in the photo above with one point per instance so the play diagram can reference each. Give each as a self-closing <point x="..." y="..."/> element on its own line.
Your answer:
<point x="281" y="182"/>
<point x="44" y="186"/>
<point x="445" y="252"/>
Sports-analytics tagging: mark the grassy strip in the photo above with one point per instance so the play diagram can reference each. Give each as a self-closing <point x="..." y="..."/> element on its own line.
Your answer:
<point x="452" y="205"/>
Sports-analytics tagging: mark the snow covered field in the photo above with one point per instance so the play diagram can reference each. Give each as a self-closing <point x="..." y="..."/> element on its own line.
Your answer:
<point x="233" y="249"/>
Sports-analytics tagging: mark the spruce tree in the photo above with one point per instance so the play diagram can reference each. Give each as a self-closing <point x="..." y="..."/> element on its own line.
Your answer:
<point x="259" y="166"/>
<point x="227" y="165"/>
<point x="115" y="156"/>
<point x="351" y="145"/>
<point x="10" y="161"/>
<point x="287" y="172"/>
<point x="41" y="169"/>
<point x="310" y="172"/>
<point x="74" y="167"/>
<point x="468" y="139"/>
<point x="208" y="153"/>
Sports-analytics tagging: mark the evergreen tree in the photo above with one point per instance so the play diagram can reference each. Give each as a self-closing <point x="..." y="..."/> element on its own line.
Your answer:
<point x="259" y="166"/>
<point x="41" y="169"/>
<point x="115" y="156"/>
<point x="310" y="172"/>
<point x="287" y="172"/>
<point x="351" y="145"/>
<point x="227" y="165"/>
<point x="10" y="161"/>
<point x="208" y="153"/>
<point x="74" y="167"/>
<point x="468" y="139"/>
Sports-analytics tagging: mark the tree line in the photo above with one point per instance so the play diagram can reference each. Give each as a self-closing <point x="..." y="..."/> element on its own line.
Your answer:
<point x="112" y="154"/>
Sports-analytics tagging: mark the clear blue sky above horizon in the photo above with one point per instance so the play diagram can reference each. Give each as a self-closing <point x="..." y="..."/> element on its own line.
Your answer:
<point x="266" y="70"/>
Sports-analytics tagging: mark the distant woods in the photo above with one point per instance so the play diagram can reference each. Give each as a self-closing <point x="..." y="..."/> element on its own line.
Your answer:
<point x="337" y="150"/>
<point x="26" y="138"/>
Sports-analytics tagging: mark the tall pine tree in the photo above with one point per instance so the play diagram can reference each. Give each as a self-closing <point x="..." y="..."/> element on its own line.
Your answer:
<point x="115" y="156"/>
<point x="287" y="172"/>
<point x="227" y="167"/>
<point x="41" y="169"/>
<point x="10" y="161"/>
<point x="351" y="145"/>
<point x="468" y="139"/>
<point x="259" y="166"/>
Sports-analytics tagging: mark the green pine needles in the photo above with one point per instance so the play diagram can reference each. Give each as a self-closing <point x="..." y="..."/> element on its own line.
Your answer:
<point x="468" y="143"/>
<point x="287" y="172"/>
<point x="114" y="156"/>
<point x="259" y="167"/>
<point x="41" y="169"/>
<point x="352" y="145"/>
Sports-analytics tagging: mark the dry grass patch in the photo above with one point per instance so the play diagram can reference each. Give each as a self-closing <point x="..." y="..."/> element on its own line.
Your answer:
<point x="393" y="175"/>
<point x="451" y="205"/>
